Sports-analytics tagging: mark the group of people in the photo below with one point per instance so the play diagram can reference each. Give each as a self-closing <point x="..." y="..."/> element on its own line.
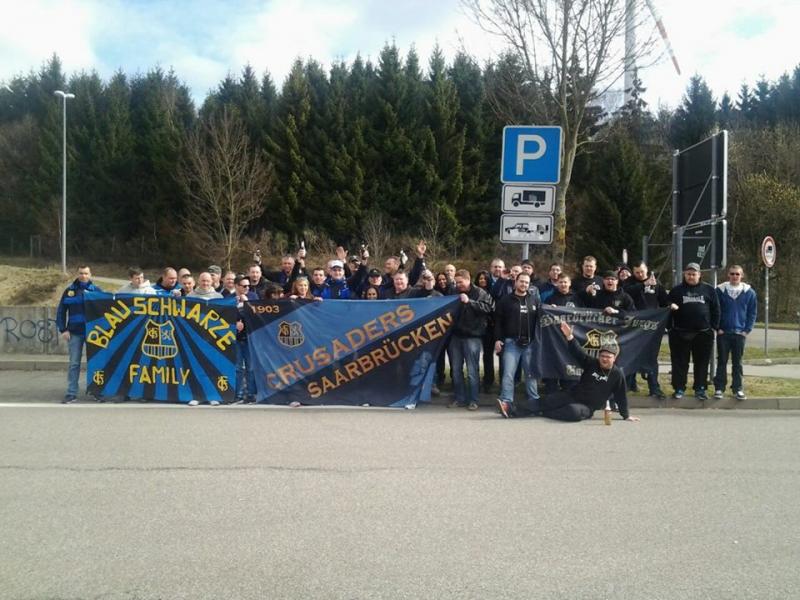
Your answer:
<point x="499" y="316"/>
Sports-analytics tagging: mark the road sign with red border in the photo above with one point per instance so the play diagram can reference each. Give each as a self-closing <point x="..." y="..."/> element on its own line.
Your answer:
<point x="768" y="252"/>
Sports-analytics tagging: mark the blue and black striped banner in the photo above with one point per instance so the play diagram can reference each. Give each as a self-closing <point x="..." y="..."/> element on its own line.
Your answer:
<point x="160" y="348"/>
<point x="352" y="352"/>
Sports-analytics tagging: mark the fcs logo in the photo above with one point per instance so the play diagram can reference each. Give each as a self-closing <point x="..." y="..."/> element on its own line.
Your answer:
<point x="596" y="339"/>
<point x="290" y="334"/>
<point x="222" y="383"/>
<point x="159" y="340"/>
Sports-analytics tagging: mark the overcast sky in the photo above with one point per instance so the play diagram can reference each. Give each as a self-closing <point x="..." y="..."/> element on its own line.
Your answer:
<point x="726" y="41"/>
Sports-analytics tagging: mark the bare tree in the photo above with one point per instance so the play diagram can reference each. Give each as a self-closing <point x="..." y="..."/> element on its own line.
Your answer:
<point x="567" y="54"/>
<point x="227" y="182"/>
<point x="376" y="233"/>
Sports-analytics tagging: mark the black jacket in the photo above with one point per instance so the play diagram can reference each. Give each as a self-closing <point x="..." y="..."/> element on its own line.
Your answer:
<point x="474" y="314"/>
<point x="698" y="307"/>
<point x="596" y="385"/>
<point x="507" y="321"/>
<point x="647" y="296"/>
<point x="580" y="283"/>
<point x="603" y="299"/>
<point x="570" y="299"/>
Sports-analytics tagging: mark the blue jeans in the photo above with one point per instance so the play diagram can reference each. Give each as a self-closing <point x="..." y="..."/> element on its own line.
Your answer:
<point x="75" y="343"/>
<point x="244" y="369"/>
<point x="465" y="350"/>
<point x="513" y="356"/>
<point x="729" y="344"/>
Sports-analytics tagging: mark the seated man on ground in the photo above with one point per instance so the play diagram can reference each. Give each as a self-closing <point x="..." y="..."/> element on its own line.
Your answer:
<point x="600" y="382"/>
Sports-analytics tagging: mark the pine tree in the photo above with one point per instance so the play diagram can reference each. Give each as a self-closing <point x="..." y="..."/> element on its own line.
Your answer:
<point x="696" y="116"/>
<point x="725" y="112"/>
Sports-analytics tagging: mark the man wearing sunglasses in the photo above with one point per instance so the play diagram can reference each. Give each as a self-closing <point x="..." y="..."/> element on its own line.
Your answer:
<point x="738" y="306"/>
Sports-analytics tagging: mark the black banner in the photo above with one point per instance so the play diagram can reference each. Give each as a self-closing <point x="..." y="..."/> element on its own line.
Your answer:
<point x="636" y="336"/>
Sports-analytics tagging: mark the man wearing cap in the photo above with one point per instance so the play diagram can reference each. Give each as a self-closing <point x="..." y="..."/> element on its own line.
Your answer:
<point x="601" y="382"/>
<point x="610" y="299"/>
<point x="374" y="279"/>
<point x="623" y="273"/>
<point x="337" y="285"/>
<point x="695" y="318"/>
<point x="216" y="277"/>
<point x="738" y="306"/>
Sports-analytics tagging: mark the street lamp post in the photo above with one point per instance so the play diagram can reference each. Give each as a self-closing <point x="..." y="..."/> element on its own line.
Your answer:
<point x="64" y="96"/>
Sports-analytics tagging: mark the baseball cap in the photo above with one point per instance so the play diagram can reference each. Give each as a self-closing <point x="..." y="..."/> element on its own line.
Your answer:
<point x="337" y="263"/>
<point x="215" y="270"/>
<point x="610" y="275"/>
<point x="374" y="273"/>
<point x="610" y="349"/>
<point x="692" y="267"/>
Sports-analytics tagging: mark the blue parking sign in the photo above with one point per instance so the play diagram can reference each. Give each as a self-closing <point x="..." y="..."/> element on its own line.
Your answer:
<point x="531" y="154"/>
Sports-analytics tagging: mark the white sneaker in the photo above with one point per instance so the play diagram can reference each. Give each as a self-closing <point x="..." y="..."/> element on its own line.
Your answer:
<point x="718" y="395"/>
<point x="193" y="402"/>
<point x="214" y="402"/>
<point x="294" y="404"/>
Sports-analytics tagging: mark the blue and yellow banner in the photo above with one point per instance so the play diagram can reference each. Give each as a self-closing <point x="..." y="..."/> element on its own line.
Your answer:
<point x="160" y="348"/>
<point x="636" y="336"/>
<point x="351" y="352"/>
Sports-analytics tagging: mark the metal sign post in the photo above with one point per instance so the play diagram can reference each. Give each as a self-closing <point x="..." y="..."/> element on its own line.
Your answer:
<point x="530" y="166"/>
<point x="766" y="312"/>
<point x="769" y="253"/>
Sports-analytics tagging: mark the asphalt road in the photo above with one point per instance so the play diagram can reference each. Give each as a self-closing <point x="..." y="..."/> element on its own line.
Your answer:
<point x="142" y="501"/>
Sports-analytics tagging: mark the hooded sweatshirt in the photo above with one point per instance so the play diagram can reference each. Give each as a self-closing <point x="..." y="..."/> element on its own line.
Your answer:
<point x="211" y="294"/>
<point x="145" y="288"/>
<point x="738" y="307"/>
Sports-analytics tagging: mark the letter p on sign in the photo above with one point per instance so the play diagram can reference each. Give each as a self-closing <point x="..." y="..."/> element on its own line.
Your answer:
<point x="522" y="156"/>
<point x="531" y="154"/>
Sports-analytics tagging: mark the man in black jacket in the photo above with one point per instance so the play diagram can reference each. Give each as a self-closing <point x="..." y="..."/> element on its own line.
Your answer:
<point x="695" y="318"/>
<point x="587" y="277"/>
<point x="601" y="382"/>
<point x="514" y="329"/>
<point x="610" y="299"/>
<point x="564" y="296"/>
<point x="647" y="293"/>
<point x="465" y="343"/>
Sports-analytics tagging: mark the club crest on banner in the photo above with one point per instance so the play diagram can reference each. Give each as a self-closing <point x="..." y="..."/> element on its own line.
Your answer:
<point x="290" y="334"/>
<point x="159" y="340"/>
<point x="597" y="339"/>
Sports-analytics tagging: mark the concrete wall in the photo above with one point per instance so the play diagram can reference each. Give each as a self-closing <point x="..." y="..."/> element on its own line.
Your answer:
<point x="30" y="330"/>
